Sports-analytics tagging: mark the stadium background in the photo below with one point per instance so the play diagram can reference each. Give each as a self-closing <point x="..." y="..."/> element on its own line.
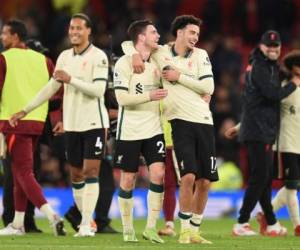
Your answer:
<point x="231" y="28"/>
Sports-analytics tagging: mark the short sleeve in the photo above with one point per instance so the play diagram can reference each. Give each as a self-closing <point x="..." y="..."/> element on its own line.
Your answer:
<point x="204" y="65"/>
<point x="100" y="72"/>
<point x="122" y="74"/>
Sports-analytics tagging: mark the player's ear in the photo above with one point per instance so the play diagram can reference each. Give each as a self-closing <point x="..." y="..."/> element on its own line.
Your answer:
<point x="89" y="31"/>
<point x="141" y="37"/>
<point x="179" y="32"/>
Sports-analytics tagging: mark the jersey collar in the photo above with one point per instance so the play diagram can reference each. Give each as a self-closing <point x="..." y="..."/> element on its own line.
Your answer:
<point x="187" y="54"/>
<point x="83" y="51"/>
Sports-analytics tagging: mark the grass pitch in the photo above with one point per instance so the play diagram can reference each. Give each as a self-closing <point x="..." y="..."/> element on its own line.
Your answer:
<point x="218" y="231"/>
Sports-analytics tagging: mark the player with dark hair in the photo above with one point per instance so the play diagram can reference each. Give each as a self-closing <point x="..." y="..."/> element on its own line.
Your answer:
<point x="83" y="70"/>
<point x="139" y="130"/>
<point x="187" y="75"/>
<point x="22" y="73"/>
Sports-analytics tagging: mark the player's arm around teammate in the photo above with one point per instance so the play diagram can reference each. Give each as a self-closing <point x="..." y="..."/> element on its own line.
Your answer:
<point x="139" y="129"/>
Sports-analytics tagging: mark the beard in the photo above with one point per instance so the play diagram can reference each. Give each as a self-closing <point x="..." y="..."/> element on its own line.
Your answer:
<point x="273" y="56"/>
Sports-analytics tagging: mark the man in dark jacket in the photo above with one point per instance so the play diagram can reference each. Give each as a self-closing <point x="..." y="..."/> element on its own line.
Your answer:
<point x="259" y="128"/>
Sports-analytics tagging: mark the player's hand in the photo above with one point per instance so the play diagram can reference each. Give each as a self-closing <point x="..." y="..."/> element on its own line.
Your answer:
<point x="14" y="119"/>
<point x="58" y="129"/>
<point x="138" y="64"/>
<point x="296" y="80"/>
<point x="170" y="74"/>
<point x="158" y="94"/>
<point x="61" y="76"/>
<point x="206" y="98"/>
<point x="231" y="133"/>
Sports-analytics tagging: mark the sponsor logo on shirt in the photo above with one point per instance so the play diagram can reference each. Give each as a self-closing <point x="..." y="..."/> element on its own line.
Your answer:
<point x="192" y="76"/>
<point x="104" y="62"/>
<point x="207" y="61"/>
<point x="117" y="82"/>
<point x="292" y="110"/>
<point x="139" y="88"/>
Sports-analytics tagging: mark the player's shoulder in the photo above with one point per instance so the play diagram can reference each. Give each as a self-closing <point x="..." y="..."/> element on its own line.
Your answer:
<point x="200" y="52"/>
<point x="124" y="61"/>
<point x="164" y="48"/>
<point x="98" y="52"/>
<point x="66" y="53"/>
<point x="201" y="56"/>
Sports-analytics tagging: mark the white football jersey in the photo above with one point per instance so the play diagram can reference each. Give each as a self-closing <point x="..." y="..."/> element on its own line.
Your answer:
<point x="142" y="120"/>
<point x="81" y="111"/>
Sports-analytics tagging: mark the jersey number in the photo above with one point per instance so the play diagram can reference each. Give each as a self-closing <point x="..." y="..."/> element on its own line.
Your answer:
<point x="98" y="143"/>
<point x="213" y="164"/>
<point x="161" y="146"/>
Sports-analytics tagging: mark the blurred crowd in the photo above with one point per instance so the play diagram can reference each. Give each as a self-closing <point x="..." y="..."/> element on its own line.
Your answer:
<point x="231" y="28"/>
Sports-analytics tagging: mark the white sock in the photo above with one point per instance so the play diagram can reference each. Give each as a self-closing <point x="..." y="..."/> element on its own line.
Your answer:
<point x="18" y="221"/>
<point x="48" y="211"/>
<point x="293" y="206"/>
<point x="89" y="200"/>
<point x="126" y="210"/>
<point x="196" y="221"/>
<point x="185" y="220"/>
<point x="78" y="188"/>
<point x="280" y="199"/>
<point x="155" y="202"/>
<point x="170" y="224"/>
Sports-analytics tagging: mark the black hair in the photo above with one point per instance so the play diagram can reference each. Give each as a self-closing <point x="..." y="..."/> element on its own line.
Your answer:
<point x="292" y="59"/>
<point x="36" y="45"/>
<point x="88" y="22"/>
<point x="181" y="22"/>
<point x="136" y="28"/>
<point x="19" y="28"/>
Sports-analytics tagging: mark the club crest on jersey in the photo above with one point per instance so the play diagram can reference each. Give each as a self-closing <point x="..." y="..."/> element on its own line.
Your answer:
<point x="83" y="65"/>
<point x="292" y="110"/>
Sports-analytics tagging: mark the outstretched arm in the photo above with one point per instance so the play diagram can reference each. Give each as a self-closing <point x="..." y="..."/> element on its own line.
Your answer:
<point x="44" y="95"/>
<point x="95" y="89"/>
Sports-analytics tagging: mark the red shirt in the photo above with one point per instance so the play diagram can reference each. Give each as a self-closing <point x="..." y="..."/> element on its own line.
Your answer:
<point x="28" y="126"/>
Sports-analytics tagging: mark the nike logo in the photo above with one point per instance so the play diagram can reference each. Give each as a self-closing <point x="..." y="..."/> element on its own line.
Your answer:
<point x="98" y="152"/>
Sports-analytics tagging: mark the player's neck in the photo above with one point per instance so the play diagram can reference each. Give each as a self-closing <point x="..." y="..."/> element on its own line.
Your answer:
<point x="180" y="49"/>
<point x="143" y="50"/>
<point x="81" y="47"/>
<point x="17" y="44"/>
